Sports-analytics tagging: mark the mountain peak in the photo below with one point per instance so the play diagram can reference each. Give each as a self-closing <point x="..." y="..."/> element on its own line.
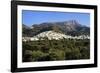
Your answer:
<point x="73" y="22"/>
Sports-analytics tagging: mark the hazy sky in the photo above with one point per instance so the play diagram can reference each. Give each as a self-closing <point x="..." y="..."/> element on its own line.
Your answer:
<point x="30" y="17"/>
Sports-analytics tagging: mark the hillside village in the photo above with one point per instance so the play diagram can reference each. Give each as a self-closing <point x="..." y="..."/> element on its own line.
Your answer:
<point x="54" y="35"/>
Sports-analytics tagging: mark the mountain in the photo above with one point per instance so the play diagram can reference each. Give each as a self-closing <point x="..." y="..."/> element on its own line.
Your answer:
<point x="72" y="28"/>
<point x="26" y="30"/>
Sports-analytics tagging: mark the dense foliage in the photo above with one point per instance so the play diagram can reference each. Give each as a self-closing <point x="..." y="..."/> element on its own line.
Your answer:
<point x="51" y="50"/>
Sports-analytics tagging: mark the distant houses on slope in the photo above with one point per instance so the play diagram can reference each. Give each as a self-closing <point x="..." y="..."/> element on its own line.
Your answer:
<point x="53" y="35"/>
